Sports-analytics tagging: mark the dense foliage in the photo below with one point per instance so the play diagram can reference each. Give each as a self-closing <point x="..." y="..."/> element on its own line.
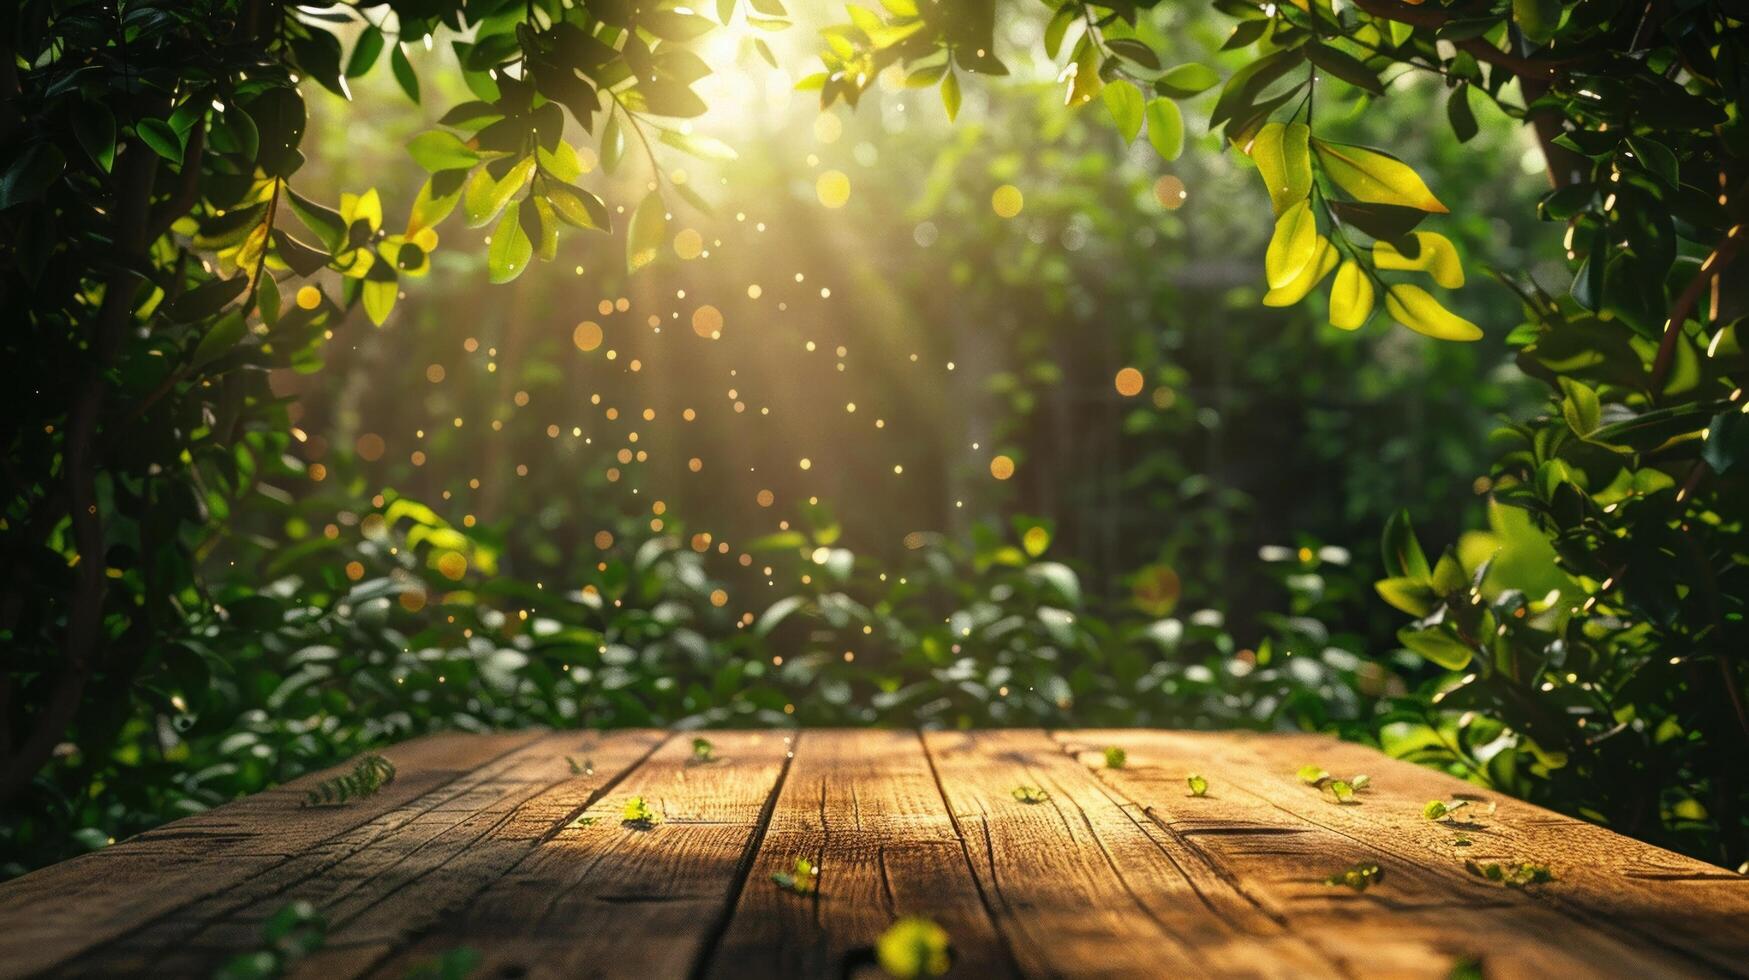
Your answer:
<point x="199" y="601"/>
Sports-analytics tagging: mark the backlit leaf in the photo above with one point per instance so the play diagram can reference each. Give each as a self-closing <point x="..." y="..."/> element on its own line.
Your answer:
<point x="1166" y="128"/>
<point x="1351" y="296"/>
<point x="1374" y="176"/>
<point x="510" y="250"/>
<point x="1292" y="247"/>
<point x="649" y="229"/>
<point x="1416" y="309"/>
<point x="1125" y="103"/>
<point x="1283" y="158"/>
<point x="1436" y="256"/>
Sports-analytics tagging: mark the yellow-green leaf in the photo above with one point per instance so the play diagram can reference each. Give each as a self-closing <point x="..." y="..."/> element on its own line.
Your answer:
<point x="429" y="208"/>
<point x="1083" y="76"/>
<point x="1437" y="257"/>
<point x="1283" y="158"/>
<point x="510" y="249"/>
<point x="378" y="298"/>
<point x="1293" y="246"/>
<point x="484" y="197"/>
<point x="1125" y="103"/>
<point x="1416" y="309"/>
<point x="1375" y="177"/>
<point x="1351" y="297"/>
<point x="1166" y="128"/>
<point x="950" y="95"/>
<point x="1323" y="260"/>
<point x="649" y="229"/>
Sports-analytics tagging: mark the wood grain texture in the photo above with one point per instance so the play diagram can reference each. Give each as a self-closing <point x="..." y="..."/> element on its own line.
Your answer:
<point x="495" y="843"/>
<point x="1696" y="912"/>
<point x="52" y="915"/>
<point x="1261" y="826"/>
<point x="1077" y="883"/>
<point x="865" y="808"/>
<point x="602" y="898"/>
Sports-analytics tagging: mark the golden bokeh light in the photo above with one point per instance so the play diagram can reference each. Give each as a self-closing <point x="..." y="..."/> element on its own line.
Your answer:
<point x="370" y="447"/>
<point x="587" y="336"/>
<point x="1129" y="382"/>
<point x="707" y="322"/>
<point x="1170" y="192"/>
<point x="1002" y="467"/>
<point x="453" y="565"/>
<point x="689" y="244"/>
<point x="435" y="373"/>
<point x="603" y="540"/>
<point x="1007" y="201"/>
<point x="833" y="188"/>
<point x="766" y="498"/>
<point x="309" y="297"/>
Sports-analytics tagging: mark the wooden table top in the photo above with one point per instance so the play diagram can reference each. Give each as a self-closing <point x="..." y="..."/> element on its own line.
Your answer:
<point x="495" y="843"/>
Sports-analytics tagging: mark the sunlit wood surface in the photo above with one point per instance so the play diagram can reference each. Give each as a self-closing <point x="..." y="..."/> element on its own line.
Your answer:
<point x="493" y="842"/>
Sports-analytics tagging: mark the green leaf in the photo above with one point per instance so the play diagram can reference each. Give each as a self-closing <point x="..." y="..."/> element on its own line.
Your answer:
<point x="703" y="147"/>
<point x="1283" y="158"/>
<point x="378" y="298"/>
<point x="1437" y="646"/>
<point x="649" y="229"/>
<point x="1538" y="19"/>
<point x="1115" y="757"/>
<point x="1412" y="595"/>
<point x="1135" y="51"/>
<point x="579" y="207"/>
<point x="1186" y="80"/>
<point x="950" y="95"/>
<point x="1312" y="775"/>
<point x="404" y="74"/>
<point x="431" y="206"/>
<point x="484" y="197"/>
<point x="1580" y="407"/>
<point x="638" y="813"/>
<point x="365" y="52"/>
<point x="510" y="250"/>
<point x="1166" y="128"/>
<point x="94" y="126"/>
<point x="1125" y="103"/>
<point x="1402" y="552"/>
<point x="1344" y="66"/>
<point x="1198" y="785"/>
<point x="1374" y="176"/>
<point x="437" y="150"/>
<point x="1727" y="441"/>
<point x="163" y="140"/>
<point x="1030" y="794"/>
<point x="224" y="334"/>
<point x="1293" y="246"/>
<point x="31" y="173"/>
<point x="325" y="222"/>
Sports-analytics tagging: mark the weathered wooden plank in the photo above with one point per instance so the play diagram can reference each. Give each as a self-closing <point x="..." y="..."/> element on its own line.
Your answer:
<point x="1619" y="885"/>
<point x="1281" y="838"/>
<point x="1079" y="887"/>
<point x="603" y="897"/>
<point x="56" y="913"/>
<point x="394" y="885"/>
<point x="865" y="808"/>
